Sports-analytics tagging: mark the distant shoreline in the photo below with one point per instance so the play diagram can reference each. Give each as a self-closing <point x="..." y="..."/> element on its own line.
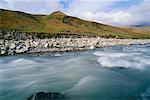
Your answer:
<point x="12" y="44"/>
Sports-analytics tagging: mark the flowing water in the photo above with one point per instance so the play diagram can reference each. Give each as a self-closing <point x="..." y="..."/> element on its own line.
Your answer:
<point x="110" y="73"/>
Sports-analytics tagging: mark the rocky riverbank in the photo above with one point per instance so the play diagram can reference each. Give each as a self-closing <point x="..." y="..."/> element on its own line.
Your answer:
<point x="32" y="44"/>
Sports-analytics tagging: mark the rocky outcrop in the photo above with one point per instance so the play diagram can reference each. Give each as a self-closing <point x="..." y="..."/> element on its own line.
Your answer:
<point x="47" y="96"/>
<point x="12" y="44"/>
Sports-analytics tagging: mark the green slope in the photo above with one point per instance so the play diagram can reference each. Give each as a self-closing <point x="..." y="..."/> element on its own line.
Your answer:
<point x="59" y="22"/>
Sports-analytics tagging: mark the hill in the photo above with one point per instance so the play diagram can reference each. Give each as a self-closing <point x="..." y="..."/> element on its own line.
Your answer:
<point x="58" y="22"/>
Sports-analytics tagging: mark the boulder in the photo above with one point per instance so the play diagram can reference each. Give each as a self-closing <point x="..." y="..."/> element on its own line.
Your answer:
<point x="1" y="42"/>
<point x="11" y="52"/>
<point x="3" y="52"/>
<point x="6" y="43"/>
<point x="3" y="48"/>
<point x="12" y="46"/>
<point x="22" y="49"/>
<point x="46" y="45"/>
<point x="35" y="44"/>
<point x="47" y="96"/>
<point x="92" y="47"/>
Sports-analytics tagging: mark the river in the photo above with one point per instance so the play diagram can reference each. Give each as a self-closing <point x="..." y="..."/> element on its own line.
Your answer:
<point x="109" y="73"/>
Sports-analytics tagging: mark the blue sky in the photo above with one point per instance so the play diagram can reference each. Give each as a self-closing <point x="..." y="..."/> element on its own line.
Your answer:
<point x="126" y="4"/>
<point x="121" y="4"/>
<point x="113" y="12"/>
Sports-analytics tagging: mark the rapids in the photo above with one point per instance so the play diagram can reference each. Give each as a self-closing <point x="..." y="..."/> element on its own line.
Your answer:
<point x="109" y="73"/>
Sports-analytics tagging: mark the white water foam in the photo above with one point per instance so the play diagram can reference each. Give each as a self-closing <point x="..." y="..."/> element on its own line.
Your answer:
<point x="114" y="54"/>
<point x="83" y="82"/>
<point x="22" y="61"/>
<point x="57" y="55"/>
<point x="125" y="60"/>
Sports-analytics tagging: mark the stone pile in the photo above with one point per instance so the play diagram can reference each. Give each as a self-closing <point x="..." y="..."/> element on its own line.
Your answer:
<point x="35" y="45"/>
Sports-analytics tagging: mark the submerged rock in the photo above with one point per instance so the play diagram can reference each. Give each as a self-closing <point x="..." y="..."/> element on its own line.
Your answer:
<point x="47" y="96"/>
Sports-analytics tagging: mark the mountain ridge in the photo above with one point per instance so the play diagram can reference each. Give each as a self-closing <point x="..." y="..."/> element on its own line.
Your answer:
<point x="59" y="22"/>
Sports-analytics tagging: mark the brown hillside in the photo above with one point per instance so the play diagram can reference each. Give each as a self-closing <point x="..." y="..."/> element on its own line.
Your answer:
<point x="58" y="22"/>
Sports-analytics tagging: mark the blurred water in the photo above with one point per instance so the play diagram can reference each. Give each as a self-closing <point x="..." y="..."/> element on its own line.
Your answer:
<point x="110" y="73"/>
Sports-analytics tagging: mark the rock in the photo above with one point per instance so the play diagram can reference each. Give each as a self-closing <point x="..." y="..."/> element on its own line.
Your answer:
<point x="3" y="48"/>
<point x="35" y="44"/>
<point x="47" y="96"/>
<point x="11" y="52"/>
<point x="1" y="42"/>
<point x="27" y="43"/>
<point x="26" y="48"/>
<point x="22" y="49"/>
<point x="18" y="47"/>
<point x="92" y="47"/>
<point x="6" y="43"/>
<point x="46" y="45"/>
<point x="12" y="46"/>
<point x="3" y="52"/>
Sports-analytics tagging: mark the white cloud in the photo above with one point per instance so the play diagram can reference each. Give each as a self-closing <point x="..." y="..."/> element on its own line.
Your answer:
<point x="117" y="18"/>
<point x="80" y="6"/>
<point x="95" y="11"/>
<point x="32" y="6"/>
<point x="107" y="18"/>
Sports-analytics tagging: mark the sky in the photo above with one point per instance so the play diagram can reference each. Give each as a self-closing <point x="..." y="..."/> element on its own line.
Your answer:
<point x="112" y="12"/>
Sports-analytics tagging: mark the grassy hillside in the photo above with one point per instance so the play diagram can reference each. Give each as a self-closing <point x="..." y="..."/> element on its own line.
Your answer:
<point x="58" y="22"/>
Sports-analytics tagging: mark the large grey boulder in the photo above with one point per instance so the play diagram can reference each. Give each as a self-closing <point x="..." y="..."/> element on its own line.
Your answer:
<point x="47" y="96"/>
